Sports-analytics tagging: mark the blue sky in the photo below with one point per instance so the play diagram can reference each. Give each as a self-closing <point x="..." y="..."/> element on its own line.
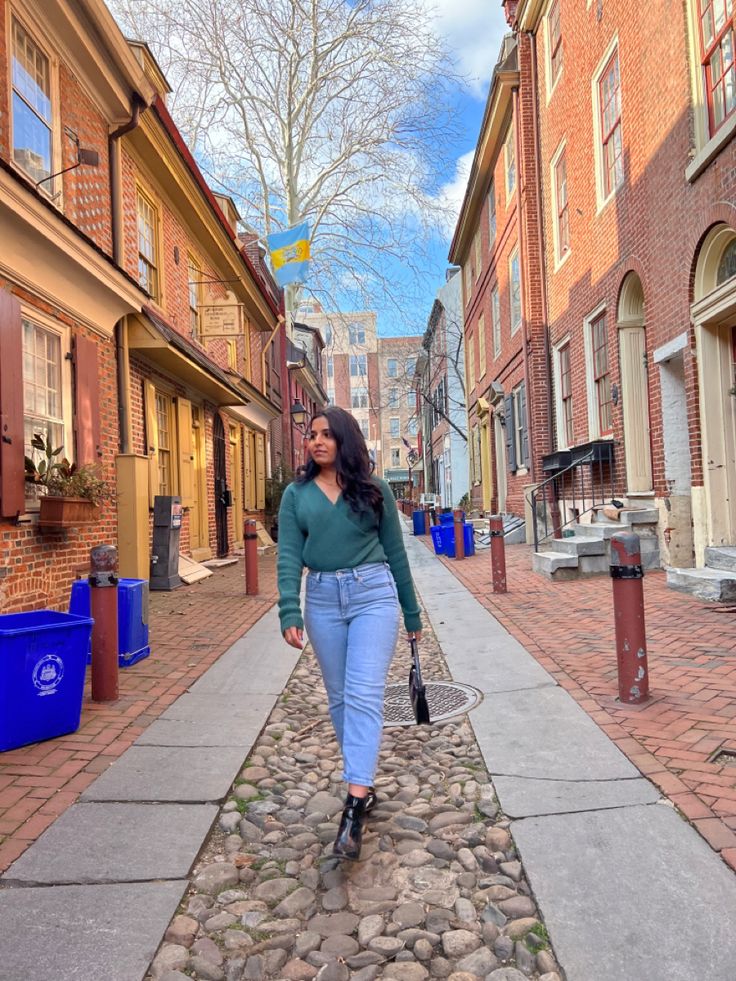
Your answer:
<point x="473" y="29"/>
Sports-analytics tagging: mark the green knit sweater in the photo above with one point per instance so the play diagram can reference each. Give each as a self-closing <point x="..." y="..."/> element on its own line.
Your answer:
<point x="326" y="537"/>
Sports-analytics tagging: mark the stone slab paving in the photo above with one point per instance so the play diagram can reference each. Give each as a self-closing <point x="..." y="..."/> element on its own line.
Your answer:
<point x="168" y="773"/>
<point x="632" y="894"/>
<point x="526" y="797"/>
<point x="438" y="892"/>
<point x="116" y="843"/>
<point x="83" y="933"/>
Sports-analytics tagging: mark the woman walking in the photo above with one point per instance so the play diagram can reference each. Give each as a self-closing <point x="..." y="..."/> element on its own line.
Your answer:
<point x="343" y="525"/>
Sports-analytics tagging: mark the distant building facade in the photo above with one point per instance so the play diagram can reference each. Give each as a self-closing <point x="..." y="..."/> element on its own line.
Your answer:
<point x="399" y="420"/>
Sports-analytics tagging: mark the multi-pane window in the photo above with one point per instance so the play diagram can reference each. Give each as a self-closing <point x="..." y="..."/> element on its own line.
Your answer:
<point x="411" y="400"/>
<point x="163" y="422"/>
<point x="519" y="395"/>
<point x="147" y="245"/>
<point x="492" y="213"/>
<point x="31" y="107"/>
<point x="555" y="43"/>
<point x="496" y="317"/>
<point x="195" y="293"/>
<point x="481" y="347"/>
<point x="395" y="427"/>
<point x="358" y="365"/>
<point x="515" y="290"/>
<point x="601" y="374"/>
<point x="392" y="368"/>
<point x="412" y="427"/>
<point x="612" y="152"/>
<point x="395" y="457"/>
<point x="717" y="53"/>
<point x="328" y="335"/>
<point x="562" y="206"/>
<point x="471" y="361"/>
<point x="411" y="364"/>
<point x="42" y="388"/>
<point x="364" y="428"/>
<point x="330" y="367"/>
<point x="359" y="398"/>
<point x="509" y="151"/>
<point x="356" y="334"/>
<point x="566" y="433"/>
<point x="393" y="398"/>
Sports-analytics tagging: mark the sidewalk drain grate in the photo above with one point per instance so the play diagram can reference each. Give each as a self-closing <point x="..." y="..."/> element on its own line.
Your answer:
<point x="447" y="700"/>
<point x="725" y="757"/>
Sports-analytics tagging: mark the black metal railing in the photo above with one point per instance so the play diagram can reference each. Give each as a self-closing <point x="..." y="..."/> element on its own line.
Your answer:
<point x="582" y="479"/>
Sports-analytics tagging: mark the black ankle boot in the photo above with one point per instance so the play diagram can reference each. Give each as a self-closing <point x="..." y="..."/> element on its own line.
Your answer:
<point x="350" y="833"/>
<point x="370" y="800"/>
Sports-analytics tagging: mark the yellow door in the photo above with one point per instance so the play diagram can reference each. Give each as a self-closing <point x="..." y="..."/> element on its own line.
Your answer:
<point x="236" y="479"/>
<point x="198" y="524"/>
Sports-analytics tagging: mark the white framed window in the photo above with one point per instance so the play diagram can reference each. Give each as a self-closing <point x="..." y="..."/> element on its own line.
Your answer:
<point x="411" y="364"/>
<point x="492" y="214"/>
<point x="356" y="334"/>
<point x="194" y="284"/>
<point x="607" y="124"/>
<point x="358" y="365"/>
<point x="34" y="117"/>
<point x="515" y="290"/>
<point x="359" y="398"/>
<point x="148" y="245"/>
<point x="393" y="398"/>
<point x="395" y="427"/>
<point x="412" y="426"/>
<point x="395" y="456"/>
<point x="411" y="401"/>
<point x="470" y="341"/>
<point x="328" y="335"/>
<point x="364" y="428"/>
<point x="330" y="367"/>
<point x="481" y="347"/>
<point x="47" y="389"/>
<point x="563" y="395"/>
<point x="520" y="433"/>
<point x="392" y="368"/>
<point x="496" y="318"/>
<point x="554" y="46"/>
<point x="560" y="205"/>
<point x="509" y="156"/>
<point x="598" y="374"/>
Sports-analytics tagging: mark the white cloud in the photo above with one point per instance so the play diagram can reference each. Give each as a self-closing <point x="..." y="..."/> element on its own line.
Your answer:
<point x="452" y="193"/>
<point x="473" y="29"/>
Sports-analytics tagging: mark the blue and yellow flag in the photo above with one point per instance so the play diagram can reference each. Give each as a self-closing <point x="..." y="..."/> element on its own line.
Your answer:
<point x="290" y="254"/>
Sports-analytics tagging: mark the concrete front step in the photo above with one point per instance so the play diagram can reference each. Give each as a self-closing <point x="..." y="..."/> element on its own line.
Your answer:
<point x="551" y="564"/>
<point x="721" y="557"/>
<point x="578" y="545"/>
<point x="600" y="529"/>
<point x="714" y="585"/>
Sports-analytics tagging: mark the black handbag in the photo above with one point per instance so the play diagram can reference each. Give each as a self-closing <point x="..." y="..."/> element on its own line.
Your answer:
<point x="417" y="691"/>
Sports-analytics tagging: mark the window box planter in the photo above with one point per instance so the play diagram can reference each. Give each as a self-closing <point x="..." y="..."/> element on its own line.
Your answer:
<point x="66" y="512"/>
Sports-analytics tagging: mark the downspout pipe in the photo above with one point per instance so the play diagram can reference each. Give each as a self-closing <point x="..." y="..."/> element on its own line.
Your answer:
<point x="118" y="253"/>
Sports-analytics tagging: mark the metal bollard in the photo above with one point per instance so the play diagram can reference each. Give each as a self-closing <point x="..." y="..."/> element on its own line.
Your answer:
<point x="251" y="557"/>
<point x="628" y="613"/>
<point x="103" y="597"/>
<point x="458" y="520"/>
<point x="498" y="553"/>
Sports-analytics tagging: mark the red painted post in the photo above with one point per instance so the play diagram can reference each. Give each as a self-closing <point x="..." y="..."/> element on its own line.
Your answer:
<point x="427" y="522"/>
<point x="628" y="612"/>
<point x="103" y="597"/>
<point x="498" y="553"/>
<point x="458" y="519"/>
<point x="251" y="557"/>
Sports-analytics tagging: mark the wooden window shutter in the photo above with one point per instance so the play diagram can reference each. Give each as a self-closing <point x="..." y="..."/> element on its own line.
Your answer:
<point x="524" y="426"/>
<point x="12" y="455"/>
<point x="508" y="414"/>
<point x="260" y="471"/>
<point x="149" y="405"/>
<point x="86" y="402"/>
<point x="186" y="451"/>
<point x="248" y="468"/>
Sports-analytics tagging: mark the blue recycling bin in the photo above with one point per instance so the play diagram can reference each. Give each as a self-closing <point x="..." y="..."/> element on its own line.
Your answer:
<point x="447" y="517"/>
<point x="436" y="532"/>
<point x="133" y="643"/>
<point x="418" y="521"/>
<point x="448" y="539"/>
<point x="43" y="659"/>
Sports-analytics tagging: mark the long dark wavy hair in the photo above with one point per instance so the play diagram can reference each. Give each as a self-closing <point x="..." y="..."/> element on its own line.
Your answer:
<point x="353" y="465"/>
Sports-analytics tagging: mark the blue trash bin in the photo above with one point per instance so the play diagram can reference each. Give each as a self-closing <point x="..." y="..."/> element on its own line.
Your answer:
<point x="418" y="520"/>
<point x="133" y="643"/>
<point x="448" y="539"/>
<point x="436" y="532"/>
<point x="43" y="656"/>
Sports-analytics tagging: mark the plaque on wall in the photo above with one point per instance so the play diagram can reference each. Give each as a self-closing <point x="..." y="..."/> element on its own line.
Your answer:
<point x="221" y="320"/>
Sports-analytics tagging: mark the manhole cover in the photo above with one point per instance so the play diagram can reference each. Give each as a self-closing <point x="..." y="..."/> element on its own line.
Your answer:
<point x="447" y="699"/>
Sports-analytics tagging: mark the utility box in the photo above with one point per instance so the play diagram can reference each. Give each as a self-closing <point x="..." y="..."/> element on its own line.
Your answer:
<point x="167" y="514"/>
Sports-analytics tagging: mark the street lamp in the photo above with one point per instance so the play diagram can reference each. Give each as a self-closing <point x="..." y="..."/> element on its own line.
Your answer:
<point x="299" y="416"/>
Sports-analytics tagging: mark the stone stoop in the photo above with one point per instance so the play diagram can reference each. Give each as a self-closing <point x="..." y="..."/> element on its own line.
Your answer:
<point x="715" y="583"/>
<point x="588" y="551"/>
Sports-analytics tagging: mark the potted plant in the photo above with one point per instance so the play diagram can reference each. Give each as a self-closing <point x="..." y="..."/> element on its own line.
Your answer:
<point x="70" y="495"/>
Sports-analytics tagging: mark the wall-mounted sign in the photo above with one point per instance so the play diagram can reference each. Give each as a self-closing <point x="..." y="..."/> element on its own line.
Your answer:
<point x="222" y="320"/>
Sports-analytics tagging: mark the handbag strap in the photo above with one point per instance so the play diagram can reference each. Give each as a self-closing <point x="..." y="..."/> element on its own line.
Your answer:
<point x="415" y="659"/>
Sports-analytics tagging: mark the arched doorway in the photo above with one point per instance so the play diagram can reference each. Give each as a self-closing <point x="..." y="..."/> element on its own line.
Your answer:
<point x="220" y="486"/>
<point x="714" y="315"/>
<point x="632" y="351"/>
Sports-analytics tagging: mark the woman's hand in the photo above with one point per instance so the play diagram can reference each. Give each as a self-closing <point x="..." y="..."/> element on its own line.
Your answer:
<point x="294" y="636"/>
<point x="415" y="634"/>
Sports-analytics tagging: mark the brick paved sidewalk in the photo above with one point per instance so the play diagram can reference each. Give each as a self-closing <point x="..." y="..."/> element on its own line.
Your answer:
<point x="190" y="628"/>
<point x="568" y="627"/>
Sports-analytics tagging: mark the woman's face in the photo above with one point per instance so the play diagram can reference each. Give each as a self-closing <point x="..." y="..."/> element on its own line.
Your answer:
<point x="322" y="444"/>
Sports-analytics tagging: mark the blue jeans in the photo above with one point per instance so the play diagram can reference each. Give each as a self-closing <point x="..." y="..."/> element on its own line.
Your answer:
<point x="352" y="620"/>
